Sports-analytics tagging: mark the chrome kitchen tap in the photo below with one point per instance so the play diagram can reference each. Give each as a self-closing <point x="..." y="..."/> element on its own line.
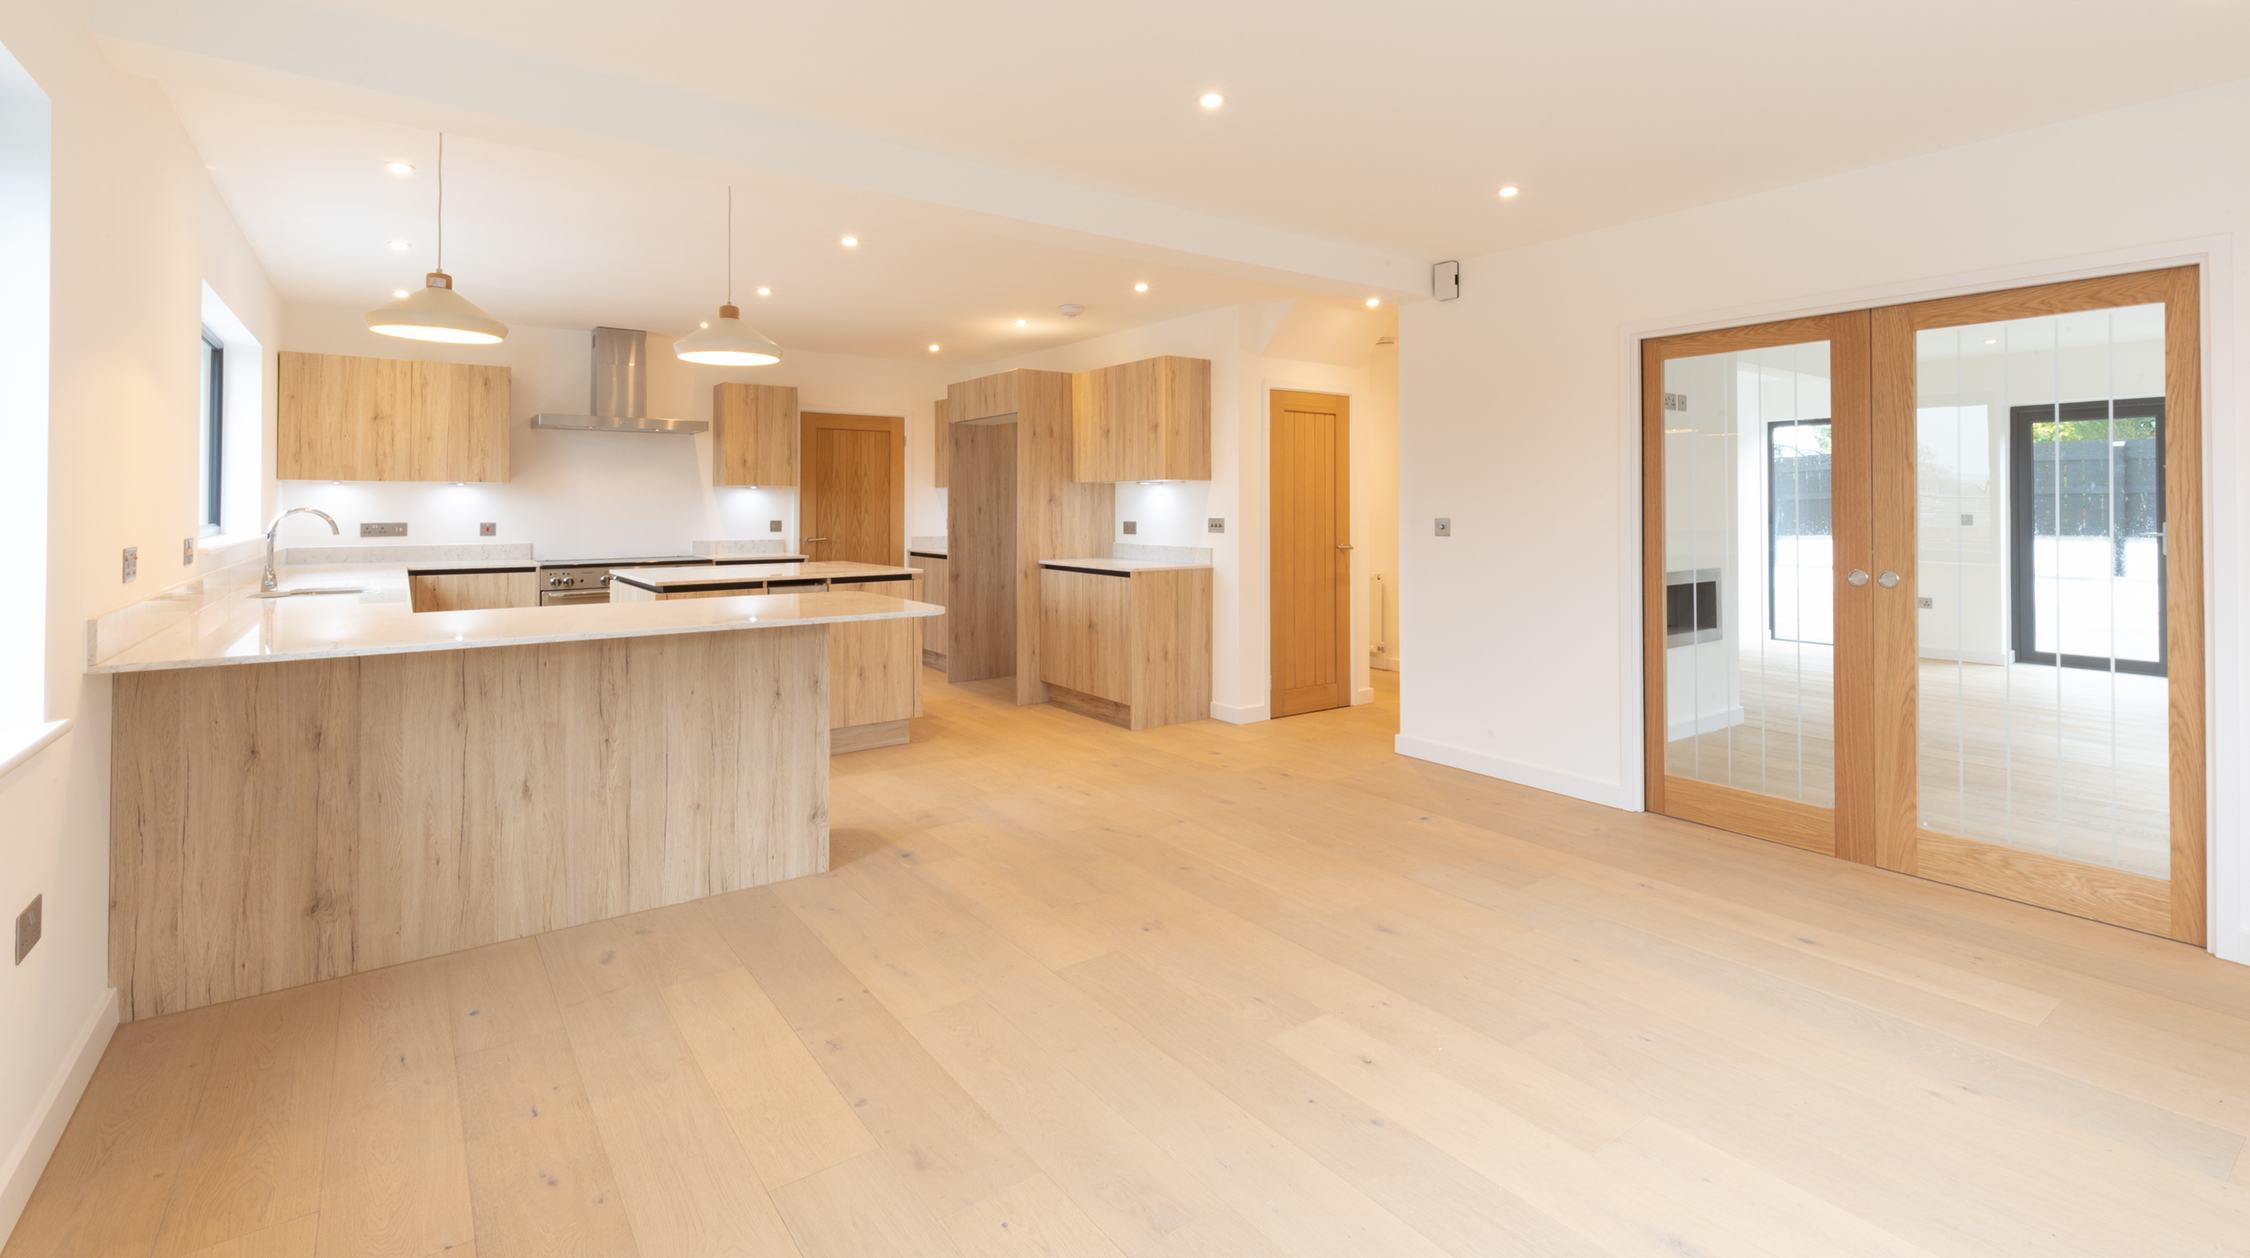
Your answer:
<point x="270" y="582"/>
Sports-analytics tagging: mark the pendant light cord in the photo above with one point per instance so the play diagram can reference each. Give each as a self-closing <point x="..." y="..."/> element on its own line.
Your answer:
<point x="441" y="200"/>
<point x="730" y="244"/>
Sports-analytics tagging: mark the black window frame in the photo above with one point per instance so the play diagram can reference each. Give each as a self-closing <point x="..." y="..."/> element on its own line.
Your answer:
<point x="2023" y="604"/>
<point x="214" y="438"/>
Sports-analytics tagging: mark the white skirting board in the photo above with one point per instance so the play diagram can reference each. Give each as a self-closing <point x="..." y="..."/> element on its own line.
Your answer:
<point x="1531" y="775"/>
<point x="1243" y="714"/>
<point x="37" y="1143"/>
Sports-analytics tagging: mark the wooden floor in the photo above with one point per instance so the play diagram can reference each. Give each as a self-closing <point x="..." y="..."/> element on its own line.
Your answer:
<point x="1207" y="991"/>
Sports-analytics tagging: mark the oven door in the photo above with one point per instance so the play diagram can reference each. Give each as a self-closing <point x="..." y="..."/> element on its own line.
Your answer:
<point x="572" y="598"/>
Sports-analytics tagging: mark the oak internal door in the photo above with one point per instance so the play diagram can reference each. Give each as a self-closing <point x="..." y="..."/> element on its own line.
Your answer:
<point x="1924" y="591"/>
<point x="852" y="504"/>
<point x="1311" y="552"/>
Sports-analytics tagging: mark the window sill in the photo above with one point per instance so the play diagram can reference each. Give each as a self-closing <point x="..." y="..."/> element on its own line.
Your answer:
<point x="19" y="743"/>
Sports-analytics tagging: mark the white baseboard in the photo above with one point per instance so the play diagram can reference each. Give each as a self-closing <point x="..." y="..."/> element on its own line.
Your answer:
<point x="1710" y="723"/>
<point x="1242" y="715"/>
<point x="1531" y="775"/>
<point x="1365" y="694"/>
<point x="38" y="1141"/>
<point x="1382" y="663"/>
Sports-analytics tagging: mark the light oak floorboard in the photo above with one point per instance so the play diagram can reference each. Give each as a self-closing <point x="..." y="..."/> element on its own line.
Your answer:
<point x="1073" y="992"/>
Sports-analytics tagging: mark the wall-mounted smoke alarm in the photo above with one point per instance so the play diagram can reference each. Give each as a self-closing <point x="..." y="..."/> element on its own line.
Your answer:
<point x="1070" y="310"/>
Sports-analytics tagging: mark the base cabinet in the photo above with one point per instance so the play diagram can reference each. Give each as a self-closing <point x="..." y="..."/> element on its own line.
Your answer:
<point x="934" y="580"/>
<point x="472" y="591"/>
<point x="1130" y="648"/>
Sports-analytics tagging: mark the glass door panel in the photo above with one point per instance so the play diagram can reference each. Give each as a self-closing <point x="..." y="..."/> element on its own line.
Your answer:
<point x="2043" y="716"/>
<point x="1748" y="581"/>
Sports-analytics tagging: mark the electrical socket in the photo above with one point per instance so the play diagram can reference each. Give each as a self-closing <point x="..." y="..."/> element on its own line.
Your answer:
<point x="397" y="529"/>
<point x="132" y="563"/>
<point x="488" y="530"/>
<point x="773" y="526"/>
<point x="1133" y="527"/>
<point x="1218" y="525"/>
<point x="187" y="552"/>
<point x="1445" y="526"/>
<point x="28" y="927"/>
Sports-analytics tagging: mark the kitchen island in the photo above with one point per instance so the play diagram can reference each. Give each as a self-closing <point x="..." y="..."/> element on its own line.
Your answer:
<point x="875" y="668"/>
<point x="318" y="785"/>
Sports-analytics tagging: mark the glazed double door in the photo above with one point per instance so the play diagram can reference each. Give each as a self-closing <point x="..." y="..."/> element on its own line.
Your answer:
<point x="1924" y="591"/>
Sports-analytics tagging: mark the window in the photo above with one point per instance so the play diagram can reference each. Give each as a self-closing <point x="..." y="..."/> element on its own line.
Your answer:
<point x="214" y="432"/>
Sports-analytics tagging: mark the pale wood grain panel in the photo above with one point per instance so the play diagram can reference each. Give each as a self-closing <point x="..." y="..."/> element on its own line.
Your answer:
<point x="845" y="739"/>
<point x="1856" y="712"/>
<point x="341" y="417"/>
<point x="754" y="434"/>
<point x="2183" y="491"/>
<point x="1087" y="632"/>
<point x="981" y="546"/>
<point x="1750" y="812"/>
<point x="861" y="1207"/>
<point x="2098" y="293"/>
<point x="1894" y="634"/>
<point x="982" y="398"/>
<point x="329" y="817"/>
<point x="539" y="1175"/>
<point x="875" y="667"/>
<point x="1310" y="622"/>
<point x="253" y="1158"/>
<point x="936" y="587"/>
<point x="472" y="591"/>
<point x="1733" y="340"/>
<point x="2106" y="895"/>
<point x="619" y="592"/>
<point x="498" y="994"/>
<point x="1146" y="420"/>
<point x="394" y="1178"/>
<point x="1057" y="517"/>
<point x="851" y="502"/>
<point x="941" y="444"/>
<point x="1171" y="646"/>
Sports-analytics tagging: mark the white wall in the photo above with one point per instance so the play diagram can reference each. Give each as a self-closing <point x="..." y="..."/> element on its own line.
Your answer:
<point x="1518" y="409"/>
<point x="138" y="231"/>
<point x="595" y="494"/>
<point x="1237" y="340"/>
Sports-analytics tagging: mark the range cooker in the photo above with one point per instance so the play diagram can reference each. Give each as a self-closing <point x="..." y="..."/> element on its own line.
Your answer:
<point x="564" y="582"/>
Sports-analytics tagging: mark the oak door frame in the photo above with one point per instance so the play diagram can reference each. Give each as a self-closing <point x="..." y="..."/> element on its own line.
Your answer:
<point x="2176" y="907"/>
<point x="1845" y="830"/>
<point x="807" y="491"/>
<point x="1350" y="683"/>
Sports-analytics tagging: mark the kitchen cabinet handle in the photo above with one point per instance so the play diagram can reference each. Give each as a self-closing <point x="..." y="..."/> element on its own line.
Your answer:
<point x="816" y="539"/>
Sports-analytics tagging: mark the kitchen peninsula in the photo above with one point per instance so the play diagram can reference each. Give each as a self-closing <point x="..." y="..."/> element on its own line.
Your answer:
<point x="310" y="786"/>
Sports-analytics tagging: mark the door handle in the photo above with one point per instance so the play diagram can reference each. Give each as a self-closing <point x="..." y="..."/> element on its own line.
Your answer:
<point x="815" y="539"/>
<point x="1888" y="580"/>
<point x="1856" y="578"/>
<point x="1343" y="548"/>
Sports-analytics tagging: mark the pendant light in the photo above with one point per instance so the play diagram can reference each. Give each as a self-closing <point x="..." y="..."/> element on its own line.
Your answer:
<point x="725" y="341"/>
<point x="436" y="312"/>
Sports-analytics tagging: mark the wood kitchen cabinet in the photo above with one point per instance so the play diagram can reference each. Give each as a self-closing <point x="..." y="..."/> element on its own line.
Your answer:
<point x="934" y="581"/>
<point x="1130" y="647"/>
<point x="345" y="418"/>
<point x="754" y="434"/>
<point x="1149" y="420"/>
<point x="940" y="446"/>
<point x="472" y="591"/>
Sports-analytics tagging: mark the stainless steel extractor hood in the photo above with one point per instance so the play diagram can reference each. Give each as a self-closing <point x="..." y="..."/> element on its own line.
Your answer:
<point x="620" y="390"/>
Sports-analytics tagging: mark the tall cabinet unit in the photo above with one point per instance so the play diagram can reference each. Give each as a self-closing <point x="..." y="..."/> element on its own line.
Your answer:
<point x="754" y="434"/>
<point x="340" y="417"/>
<point x="1014" y="500"/>
<point x="1149" y="420"/>
<point x="940" y="448"/>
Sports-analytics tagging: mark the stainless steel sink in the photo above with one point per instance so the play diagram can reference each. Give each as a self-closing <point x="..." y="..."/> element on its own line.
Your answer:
<point x="317" y="589"/>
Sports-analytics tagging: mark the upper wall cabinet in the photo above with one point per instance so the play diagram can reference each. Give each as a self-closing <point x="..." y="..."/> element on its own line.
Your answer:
<point x="345" y="418"/>
<point x="754" y="434"/>
<point x="1149" y="420"/>
<point x="940" y="443"/>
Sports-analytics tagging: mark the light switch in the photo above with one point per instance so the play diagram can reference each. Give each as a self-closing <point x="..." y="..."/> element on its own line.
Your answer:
<point x="1444" y="526"/>
<point x="1218" y="525"/>
<point x="488" y="530"/>
<point x="773" y="526"/>
<point x="132" y="562"/>
<point x="1132" y="526"/>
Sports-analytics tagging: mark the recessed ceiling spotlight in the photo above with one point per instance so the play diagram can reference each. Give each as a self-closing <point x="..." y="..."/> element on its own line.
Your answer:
<point x="399" y="168"/>
<point x="400" y="246"/>
<point x="851" y="241"/>
<point x="396" y="292"/>
<point x="1212" y="100"/>
<point x="1023" y="323"/>
<point x="1509" y="191"/>
<point x="765" y="292"/>
<point x="1994" y="341"/>
<point x="1140" y="288"/>
<point x="933" y="349"/>
<point x="1374" y="301"/>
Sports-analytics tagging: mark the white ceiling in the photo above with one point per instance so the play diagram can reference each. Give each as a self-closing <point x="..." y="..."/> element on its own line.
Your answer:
<point x="1004" y="158"/>
<point x="564" y="241"/>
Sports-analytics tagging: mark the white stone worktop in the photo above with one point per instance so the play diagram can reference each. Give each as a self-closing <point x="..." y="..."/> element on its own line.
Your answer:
<point x="239" y="629"/>
<point x="1120" y="565"/>
<point x="755" y="574"/>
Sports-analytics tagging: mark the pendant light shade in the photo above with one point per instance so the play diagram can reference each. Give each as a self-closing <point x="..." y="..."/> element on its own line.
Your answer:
<point x="726" y="341"/>
<point x="436" y="312"/>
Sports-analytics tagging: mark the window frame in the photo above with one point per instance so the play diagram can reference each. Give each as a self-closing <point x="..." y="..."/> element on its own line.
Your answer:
<point x="212" y="439"/>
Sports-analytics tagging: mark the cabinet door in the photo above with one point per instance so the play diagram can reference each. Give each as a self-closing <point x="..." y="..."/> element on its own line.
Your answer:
<point x="346" y="418"/>
<point x="1086" y="633"/>
<point x="941" y="448"/>
<point x="1149" y="420"/>
<point x="473" y="591"/>
<point x="753" y="434"/>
